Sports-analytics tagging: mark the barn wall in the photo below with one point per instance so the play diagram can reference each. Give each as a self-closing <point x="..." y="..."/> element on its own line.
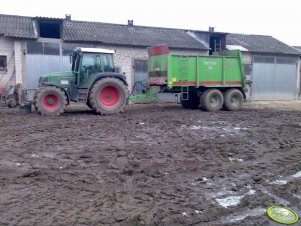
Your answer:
<point x="7" y="49"/>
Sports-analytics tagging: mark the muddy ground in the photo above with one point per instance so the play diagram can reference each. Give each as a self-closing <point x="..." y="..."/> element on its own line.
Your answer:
<point x="154" y="164"/>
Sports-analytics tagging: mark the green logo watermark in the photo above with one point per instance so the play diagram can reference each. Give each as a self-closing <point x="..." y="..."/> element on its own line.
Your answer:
<point x="282" y="214"/>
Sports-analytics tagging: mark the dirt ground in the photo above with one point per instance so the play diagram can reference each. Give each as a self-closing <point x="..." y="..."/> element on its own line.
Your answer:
<point x="154" y="164"/>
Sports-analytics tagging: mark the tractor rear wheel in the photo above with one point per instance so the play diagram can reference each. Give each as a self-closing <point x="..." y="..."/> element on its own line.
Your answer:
<point x="233" y="100"/>
<point x="50" y="101"/>
<point x="211" y="100"/>
<point x="89" y="104"/>
<point x="193" y="101"/>
<point x="108" y="96"/>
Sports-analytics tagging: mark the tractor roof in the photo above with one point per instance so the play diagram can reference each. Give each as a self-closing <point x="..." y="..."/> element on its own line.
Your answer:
<point x="94" y="50"/>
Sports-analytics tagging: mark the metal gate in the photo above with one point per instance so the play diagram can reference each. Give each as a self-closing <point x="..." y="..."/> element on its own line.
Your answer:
<point x="38" y="65"/>
<point x="274" y="78"/>
<point x="45" y="57"/>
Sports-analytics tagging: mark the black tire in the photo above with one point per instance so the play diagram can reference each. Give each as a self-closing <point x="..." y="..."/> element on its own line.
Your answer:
<point x="50" y="101"/>
<point x="108" y="96"/>
<point x="233" y="100"/>
<point x="11" y="101"/>
<point x="35" y="101"/>
<point x="193" y="101"/>
<point x="211" y="100"/>
<point x="89" y="104"/>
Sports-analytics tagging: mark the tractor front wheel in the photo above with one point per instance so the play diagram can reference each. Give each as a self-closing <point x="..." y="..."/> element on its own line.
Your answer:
<point x="108" y="96"/>
<point x="50" y="101"/>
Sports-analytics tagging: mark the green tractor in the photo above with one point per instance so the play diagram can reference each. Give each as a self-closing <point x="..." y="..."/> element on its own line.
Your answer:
<point x="93" y="80"/>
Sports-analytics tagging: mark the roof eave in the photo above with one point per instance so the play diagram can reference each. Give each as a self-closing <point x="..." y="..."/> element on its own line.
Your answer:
<point x="272" y="53"/>
<point x="132" y="45"/>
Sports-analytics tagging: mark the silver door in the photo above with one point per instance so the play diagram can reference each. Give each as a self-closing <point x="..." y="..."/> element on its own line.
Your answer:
<point x="274" y="78"/>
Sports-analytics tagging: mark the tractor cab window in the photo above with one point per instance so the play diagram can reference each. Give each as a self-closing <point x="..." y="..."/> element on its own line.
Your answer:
<point x="107" y="62"/>
<point x="90" y="64"/>
<point x="75" y="62"/>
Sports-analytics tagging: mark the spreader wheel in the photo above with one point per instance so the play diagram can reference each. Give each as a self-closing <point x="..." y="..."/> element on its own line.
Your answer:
<point x="233" y="100"/>
<point x="211" y="100"/>
<point x="50" y="101"/>
<point x="193" y="101"/>
<point x="108" y="96"/>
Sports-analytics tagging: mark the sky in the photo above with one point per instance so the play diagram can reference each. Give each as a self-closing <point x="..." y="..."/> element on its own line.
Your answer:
<point x="278" y="18"/>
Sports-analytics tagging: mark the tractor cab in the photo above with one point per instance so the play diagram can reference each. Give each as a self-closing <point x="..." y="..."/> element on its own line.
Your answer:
<point x="87" y="62"/>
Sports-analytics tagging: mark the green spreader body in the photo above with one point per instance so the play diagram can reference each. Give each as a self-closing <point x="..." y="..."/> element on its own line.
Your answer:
<point x="222" y="70"/>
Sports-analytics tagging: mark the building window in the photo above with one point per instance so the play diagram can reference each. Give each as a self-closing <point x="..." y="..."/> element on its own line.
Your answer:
<point x="3" y="63"/>
<point x="43" y="48"/>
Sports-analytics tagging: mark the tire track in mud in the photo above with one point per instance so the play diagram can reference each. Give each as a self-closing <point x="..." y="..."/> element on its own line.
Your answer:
<point x="152" y="164"/>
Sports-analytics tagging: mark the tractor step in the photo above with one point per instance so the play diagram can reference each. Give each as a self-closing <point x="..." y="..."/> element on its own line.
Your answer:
<point x="83" y="95"/>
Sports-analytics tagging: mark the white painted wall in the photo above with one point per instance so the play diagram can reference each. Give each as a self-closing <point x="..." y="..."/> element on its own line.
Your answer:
<point x="298" y="90"/>
<point x="7" y="49"/>
<point x="13" y="50"/>
<point x="18" y="61"/>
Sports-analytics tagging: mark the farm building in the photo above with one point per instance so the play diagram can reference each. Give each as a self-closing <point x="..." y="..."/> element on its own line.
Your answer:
<point x="32" y="46"/>
<point x="299" y="49"/>
<point x="270" y="64"/>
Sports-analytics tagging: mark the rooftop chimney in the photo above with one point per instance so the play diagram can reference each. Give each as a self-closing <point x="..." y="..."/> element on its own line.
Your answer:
<point x="130" y="22"/>
<point x="68" y="16"/>
<point x="211" y="29"/>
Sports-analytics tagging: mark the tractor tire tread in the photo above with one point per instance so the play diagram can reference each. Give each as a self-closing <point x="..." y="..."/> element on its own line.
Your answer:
<point x="227" y="99"/>
<point x="37" y="103"/>
<point x="93" y="93"/>
<point x="205" y="100"/>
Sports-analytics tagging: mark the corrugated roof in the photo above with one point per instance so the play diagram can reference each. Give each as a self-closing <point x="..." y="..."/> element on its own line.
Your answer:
<point x="236" y="47"/>
<point x="298" y="48"/>
<point x="114" y="34"/>
<point x="118" y="34"/>
<point x="16" y="26"/>
<point x="47" y="18"/>
<point x="261" y="44"/>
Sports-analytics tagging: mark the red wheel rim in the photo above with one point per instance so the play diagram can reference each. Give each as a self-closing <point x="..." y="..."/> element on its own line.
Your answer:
<point x="51" y="102"/>
<point x="109" y="96"/>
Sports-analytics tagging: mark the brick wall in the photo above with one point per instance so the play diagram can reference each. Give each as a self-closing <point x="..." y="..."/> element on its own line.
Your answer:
<point x="7" y="49"/>
<point x="18" y="61"/>
<point x="13" y="50"/>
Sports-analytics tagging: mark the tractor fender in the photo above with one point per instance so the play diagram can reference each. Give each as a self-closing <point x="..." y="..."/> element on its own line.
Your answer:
<point x="110" y="74"/>
<point x="60" y="87"/>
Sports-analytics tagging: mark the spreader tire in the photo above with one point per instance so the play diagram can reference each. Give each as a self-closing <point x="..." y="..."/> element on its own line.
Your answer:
<point x="211" y="100"/>
<point x="193" y="101"/>
<point x="233" y="100"/>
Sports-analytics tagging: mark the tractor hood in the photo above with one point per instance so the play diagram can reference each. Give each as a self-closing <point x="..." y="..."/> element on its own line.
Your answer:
<point x="58" y="78"/>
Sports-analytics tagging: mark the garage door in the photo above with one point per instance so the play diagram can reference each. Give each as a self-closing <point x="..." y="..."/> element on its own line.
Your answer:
<point x="274" y="78"/>
<point x="47" y="57"/>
